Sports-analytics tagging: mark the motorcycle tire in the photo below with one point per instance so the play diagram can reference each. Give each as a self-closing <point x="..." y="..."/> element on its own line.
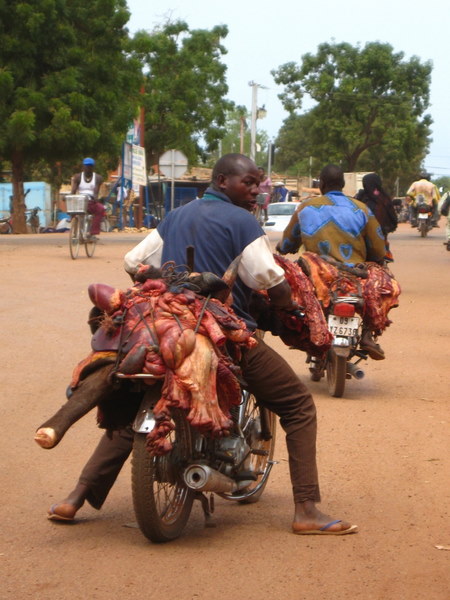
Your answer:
<point x="162" y="501"/>
<point x="259" y="427"/>
<point x="423" y="228"/>
<point x="6" y="227"/>
<point x="336" y="368"/>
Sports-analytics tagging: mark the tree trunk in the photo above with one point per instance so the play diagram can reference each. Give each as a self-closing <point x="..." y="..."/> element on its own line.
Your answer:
<point x="19" y="222"/>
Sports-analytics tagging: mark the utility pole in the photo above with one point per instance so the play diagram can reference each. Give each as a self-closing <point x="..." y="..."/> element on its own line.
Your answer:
<point x="254" y="87"/>
<point x="141" y="143"/>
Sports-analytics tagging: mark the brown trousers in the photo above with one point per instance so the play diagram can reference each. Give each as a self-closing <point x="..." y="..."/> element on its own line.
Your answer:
<point x="277" y="387"/>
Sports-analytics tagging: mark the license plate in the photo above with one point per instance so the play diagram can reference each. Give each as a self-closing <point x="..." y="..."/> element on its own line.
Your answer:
<point x="343" y="325"/>
<point x="423" y="215"/>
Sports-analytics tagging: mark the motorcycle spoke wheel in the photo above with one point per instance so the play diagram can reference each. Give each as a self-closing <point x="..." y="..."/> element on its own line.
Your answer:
<point x="74" y="237"/>
<point x="336" y="374"/>
<point x="162" y="501"/>
<point x="259" y="428"/>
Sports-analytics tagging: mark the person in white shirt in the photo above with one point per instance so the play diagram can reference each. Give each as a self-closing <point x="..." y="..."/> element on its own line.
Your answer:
<point x="88" y="182"/>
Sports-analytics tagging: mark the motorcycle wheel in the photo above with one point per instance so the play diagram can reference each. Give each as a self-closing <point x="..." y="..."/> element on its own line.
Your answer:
<point x="336" y="373"/>
<point x="74" y="236"/>
<point x="423" y="229"/>
<point x="259" y="428"/>
<point x="6" y="227"/>
<point x="162" y="501"/>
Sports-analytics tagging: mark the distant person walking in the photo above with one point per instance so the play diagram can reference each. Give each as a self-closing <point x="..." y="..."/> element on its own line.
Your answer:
<point x="263" y="198"/>
<point x="88" y="182"/>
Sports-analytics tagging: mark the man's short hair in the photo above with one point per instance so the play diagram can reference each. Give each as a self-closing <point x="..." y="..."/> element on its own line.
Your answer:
<point x="230" y="164"/>
<point x="332" y="176"/>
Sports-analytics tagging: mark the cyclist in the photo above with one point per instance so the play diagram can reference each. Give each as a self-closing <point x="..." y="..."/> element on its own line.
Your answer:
<point x="88" y="182"/>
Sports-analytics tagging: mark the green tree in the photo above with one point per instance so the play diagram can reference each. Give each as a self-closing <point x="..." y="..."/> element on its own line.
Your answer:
<point x="184" y="89"/>
<point x="68" y="87"/>
<point x="442" y="182"/>
<point x="369" y="111"/>
<point x="237" y="136"/>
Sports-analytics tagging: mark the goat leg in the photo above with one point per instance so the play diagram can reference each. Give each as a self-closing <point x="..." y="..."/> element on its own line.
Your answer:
<point x="85" y="397"/>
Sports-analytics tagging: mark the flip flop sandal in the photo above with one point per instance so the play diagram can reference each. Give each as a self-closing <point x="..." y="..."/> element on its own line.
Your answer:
<point x="54" y="516"/>
<point x="325" y="530"/>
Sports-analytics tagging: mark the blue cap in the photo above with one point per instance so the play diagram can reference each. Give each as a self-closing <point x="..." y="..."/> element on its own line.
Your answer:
<point x="88" y="161"/>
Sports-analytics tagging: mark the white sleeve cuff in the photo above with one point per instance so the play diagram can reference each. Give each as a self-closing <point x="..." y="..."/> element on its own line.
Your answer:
<point x="258" y="269"/>
<point x="147" y="252"/>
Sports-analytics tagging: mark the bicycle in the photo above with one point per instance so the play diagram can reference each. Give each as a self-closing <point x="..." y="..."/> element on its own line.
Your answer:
<point x="80" y="225"/>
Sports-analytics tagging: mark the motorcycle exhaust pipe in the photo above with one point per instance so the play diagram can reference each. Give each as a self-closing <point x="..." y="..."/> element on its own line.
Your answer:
<point x="204" y="479"/>
<point x="355" y="371"/>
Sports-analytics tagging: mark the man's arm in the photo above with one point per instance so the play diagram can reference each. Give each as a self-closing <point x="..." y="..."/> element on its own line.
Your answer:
<point x="259" y="271"/>
<point x="375" y="242"/>
<point x="98" y="183"/>
<point x="75" y="183"/>
<point x="280" y="296"/>
<point x="291" y="239"/>
<point x="147" y="252"/>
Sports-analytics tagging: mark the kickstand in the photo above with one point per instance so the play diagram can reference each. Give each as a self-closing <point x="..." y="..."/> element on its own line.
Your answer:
<point x="208" y="508"/>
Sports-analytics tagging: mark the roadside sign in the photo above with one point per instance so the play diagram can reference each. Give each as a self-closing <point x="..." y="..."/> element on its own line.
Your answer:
<point x="173" y="164"/>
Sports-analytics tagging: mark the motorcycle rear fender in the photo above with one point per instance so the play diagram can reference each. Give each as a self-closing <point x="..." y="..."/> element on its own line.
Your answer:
<point x="144" y="421"/>
<point x="341" y="351"/>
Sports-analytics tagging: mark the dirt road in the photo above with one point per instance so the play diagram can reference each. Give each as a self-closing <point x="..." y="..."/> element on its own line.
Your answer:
<point x="383" y="449"/>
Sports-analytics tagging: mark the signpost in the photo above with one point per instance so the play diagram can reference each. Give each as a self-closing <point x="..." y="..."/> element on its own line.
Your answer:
<point x="173" y="164"/>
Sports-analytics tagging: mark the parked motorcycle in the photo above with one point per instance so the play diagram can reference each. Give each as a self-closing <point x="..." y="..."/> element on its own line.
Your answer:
<point x="6" y="224"/>
<point x="343" y="358"/>
<point x="424" y="215"/>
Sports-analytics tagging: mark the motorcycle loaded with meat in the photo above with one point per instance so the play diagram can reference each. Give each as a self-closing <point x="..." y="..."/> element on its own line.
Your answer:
<point x="165" y="357"/>
<point x="353" y="299"/>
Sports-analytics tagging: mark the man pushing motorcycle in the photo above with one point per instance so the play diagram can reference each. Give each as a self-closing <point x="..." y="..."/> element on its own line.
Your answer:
<point x="221" y="227"/>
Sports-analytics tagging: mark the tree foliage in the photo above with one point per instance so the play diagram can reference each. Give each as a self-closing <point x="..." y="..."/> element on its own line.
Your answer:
<point x="237" y="137"/>
<point x="184" y="88"/>
<point x="369" y="111"/>
<point x="68" y="87"/>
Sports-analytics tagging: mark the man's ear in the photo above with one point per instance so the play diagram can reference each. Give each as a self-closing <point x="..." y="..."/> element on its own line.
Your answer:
<point x="221" y="181"/>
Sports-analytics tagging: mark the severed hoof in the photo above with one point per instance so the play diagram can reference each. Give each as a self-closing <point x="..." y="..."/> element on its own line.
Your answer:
<point x="46" y="437"/>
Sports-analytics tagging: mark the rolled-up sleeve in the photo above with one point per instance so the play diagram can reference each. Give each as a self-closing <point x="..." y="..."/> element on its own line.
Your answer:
<point x="147" y="252"/>
<point x="258" y="269"/>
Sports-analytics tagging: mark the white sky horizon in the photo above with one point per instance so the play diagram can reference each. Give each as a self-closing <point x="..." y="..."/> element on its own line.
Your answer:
<point x="263" y="36"/>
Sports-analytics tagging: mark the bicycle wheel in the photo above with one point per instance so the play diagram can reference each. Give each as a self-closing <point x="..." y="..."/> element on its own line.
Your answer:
<point x="162" y="501"/>
<point x="74" y="236"/>
<point x="89" y="244"/>
<point x="336" y="373"/>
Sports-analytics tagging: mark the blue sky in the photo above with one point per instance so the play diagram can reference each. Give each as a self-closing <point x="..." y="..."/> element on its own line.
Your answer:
<point x="264" y="35"/>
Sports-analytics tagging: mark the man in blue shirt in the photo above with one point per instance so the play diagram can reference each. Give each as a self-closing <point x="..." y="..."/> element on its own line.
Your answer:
<point x="221" y="227"/>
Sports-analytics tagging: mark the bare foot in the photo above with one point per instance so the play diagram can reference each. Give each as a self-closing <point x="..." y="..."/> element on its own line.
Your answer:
<point x="308" y="520"/>
<point x="46" y="437"/>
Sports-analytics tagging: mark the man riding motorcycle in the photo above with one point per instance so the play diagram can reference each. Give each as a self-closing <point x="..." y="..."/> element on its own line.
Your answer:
<point x="339" y="228"/>
<point x="221" y="227"/>
<point x="423" y="186"/>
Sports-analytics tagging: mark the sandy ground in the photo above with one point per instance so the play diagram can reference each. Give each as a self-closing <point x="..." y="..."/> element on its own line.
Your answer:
<point x="383" y="450"/>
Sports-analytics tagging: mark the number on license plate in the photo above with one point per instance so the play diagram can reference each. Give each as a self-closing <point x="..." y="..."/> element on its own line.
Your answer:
<point x="343" y="325"/>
